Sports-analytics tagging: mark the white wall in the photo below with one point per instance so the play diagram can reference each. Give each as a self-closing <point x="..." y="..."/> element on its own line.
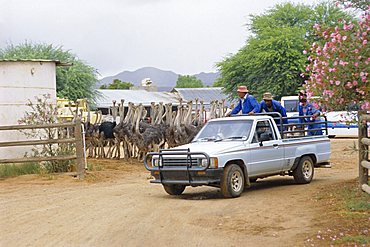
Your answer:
<point x="20" y="81"/>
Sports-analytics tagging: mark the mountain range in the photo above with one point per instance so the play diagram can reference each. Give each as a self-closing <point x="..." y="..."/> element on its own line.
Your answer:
<point x="160" y="78"/>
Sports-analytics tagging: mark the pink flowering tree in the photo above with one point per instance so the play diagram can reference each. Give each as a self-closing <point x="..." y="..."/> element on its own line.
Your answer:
<point x="338" y="67"/>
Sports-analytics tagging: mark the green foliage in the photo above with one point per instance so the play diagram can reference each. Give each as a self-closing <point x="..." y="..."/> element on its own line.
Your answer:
<point x="357" y="4"/>
<point x="187" y="81"/>
<point x="272" y="58"/>
<point x="73" y="82"/>
<point x="117" y="84"/>
<point x="13" y="170"/>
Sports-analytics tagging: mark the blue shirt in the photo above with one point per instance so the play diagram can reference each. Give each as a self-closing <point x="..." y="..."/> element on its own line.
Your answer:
<point x="307" y="110"/>
<point x="249" y="104"/>
<point x="276" y="107"/>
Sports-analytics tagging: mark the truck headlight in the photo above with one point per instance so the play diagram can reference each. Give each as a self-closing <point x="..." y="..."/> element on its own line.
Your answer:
<point x="156" y="162"/>
<point x="213" y="163"/>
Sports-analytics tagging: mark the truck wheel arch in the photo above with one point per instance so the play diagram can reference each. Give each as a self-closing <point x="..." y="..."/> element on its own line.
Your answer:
<point x="296" y="161"/>
<point x="242" y="165"/>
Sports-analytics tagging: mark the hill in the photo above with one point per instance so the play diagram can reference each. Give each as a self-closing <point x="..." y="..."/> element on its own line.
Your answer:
<point x="160" y="78"/>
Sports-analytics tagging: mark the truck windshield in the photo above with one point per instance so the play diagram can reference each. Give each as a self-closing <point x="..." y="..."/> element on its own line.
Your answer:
<point x="291" y="105"/>
<point x="222" y="130"/>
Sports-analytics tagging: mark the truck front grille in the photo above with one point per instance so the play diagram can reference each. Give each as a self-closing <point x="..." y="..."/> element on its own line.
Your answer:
<point x="180" y="162"/>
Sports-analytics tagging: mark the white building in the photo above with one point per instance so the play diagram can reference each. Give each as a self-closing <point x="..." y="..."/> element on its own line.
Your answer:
<point x="20" y="81"/>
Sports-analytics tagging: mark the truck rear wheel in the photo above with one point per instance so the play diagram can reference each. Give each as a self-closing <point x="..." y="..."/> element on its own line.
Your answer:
<point x="174" y="189"/>
<point x="303" y="173"/>
<point x="232" y="181"/>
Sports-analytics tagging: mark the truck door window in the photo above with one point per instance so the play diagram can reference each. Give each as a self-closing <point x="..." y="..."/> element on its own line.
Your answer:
<point x="263" y="126"/>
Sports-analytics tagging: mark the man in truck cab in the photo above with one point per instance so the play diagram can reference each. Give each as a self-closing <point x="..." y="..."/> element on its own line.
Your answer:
<point x="247" y="103"/>
<point x="307" y="109"/>
<point x="268" y="104"/>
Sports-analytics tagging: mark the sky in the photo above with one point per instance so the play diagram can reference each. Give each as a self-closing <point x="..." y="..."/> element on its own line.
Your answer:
<point x="184" y="36"/>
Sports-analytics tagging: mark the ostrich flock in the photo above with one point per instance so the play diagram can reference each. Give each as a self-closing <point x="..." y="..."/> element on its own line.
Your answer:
<point x="138" y="132"/>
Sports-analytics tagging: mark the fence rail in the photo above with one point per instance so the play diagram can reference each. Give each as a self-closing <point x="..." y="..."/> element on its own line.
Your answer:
<point x="77" y="139"/>
<point x="364" y="143"/>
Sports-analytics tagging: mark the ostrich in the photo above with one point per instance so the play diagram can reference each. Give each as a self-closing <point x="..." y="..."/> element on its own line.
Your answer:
<point x="152" y="134"/>
<point x="123" y="131"/>
<point x="106" y="133"/>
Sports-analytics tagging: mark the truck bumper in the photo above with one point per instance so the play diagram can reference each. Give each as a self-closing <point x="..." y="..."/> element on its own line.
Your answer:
<point x="193" y="178"/>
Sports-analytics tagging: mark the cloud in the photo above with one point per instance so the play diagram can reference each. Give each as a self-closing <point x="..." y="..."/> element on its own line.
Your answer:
<point x="185" y="36"/>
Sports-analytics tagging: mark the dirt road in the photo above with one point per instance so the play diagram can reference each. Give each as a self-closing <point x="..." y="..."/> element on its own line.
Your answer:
<point x="119" y="207"/>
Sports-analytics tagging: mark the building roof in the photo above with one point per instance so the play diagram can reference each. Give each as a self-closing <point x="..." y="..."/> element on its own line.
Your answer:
<point x="206" y="94"/>
<point x="57" y="62"/>
<point x="134" y="96"/>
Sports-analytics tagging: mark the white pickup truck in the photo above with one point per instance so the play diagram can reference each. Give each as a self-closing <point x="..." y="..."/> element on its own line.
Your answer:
<point x="231" y="153"/>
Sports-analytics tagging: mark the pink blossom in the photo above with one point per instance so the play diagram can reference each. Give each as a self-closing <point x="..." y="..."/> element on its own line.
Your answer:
<point x="356" y="64"/>
<point x="337" y="83"/>
<point x="355" y="83"/>
<point x="347" y="27"/>
<point x="365" y="106"/>
<point x="304" y="52"/>
<point x="316" y="26"/>
<point x="343" y="63"/>
<point x="344" y="38"/>
<point x="364" y="42"/>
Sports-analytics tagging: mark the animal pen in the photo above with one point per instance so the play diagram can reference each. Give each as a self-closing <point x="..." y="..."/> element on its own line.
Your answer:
<point x="77" y="139"/>
<point x="364" y="143"/>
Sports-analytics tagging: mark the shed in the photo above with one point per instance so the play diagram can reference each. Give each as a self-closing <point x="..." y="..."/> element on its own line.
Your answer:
<point x="104" y="101"/>
<point x="206" y="94"/>
<point x="22" y="80"/>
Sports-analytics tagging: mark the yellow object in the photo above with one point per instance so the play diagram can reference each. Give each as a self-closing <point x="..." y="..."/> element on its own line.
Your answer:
<point x="67" y="110"/>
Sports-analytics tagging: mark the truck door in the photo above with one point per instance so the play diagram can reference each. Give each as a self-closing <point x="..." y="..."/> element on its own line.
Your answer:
<point x="266" y="156"/>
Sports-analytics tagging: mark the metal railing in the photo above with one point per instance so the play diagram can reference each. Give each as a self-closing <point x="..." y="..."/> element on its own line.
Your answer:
<point x="299" y="126"/>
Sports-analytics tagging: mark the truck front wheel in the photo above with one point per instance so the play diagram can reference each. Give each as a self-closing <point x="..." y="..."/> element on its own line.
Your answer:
<point x="232" y="181"/>
<point x="174" y="189"/>
<point x="303" y="173"/>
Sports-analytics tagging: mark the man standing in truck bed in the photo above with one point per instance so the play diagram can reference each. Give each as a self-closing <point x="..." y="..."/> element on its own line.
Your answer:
<point x="307" y="109"/>
<point x="268" y="104"/>
<point x="247" y="103"/>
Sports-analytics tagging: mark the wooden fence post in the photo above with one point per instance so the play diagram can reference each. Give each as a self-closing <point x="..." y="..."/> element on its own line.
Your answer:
<point x="362" y="148"/>
<point x="80" y="161"/>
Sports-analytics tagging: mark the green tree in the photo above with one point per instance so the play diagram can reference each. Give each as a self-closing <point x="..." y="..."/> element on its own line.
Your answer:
<point x="272" y="58"/>
<point x="117" y="84"/>
<point x="187" y="81"/>
<point x="73" y="82"/>
<point x="357" y="4"/>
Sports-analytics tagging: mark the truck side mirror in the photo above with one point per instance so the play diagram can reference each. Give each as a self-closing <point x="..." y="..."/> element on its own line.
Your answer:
<point x="264" y="137"/>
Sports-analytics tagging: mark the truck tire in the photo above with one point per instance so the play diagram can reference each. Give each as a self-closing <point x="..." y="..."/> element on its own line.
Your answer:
<point x="174" y="189"/>
<point x="232" y="181"/>
<point x="303" y="173"/>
